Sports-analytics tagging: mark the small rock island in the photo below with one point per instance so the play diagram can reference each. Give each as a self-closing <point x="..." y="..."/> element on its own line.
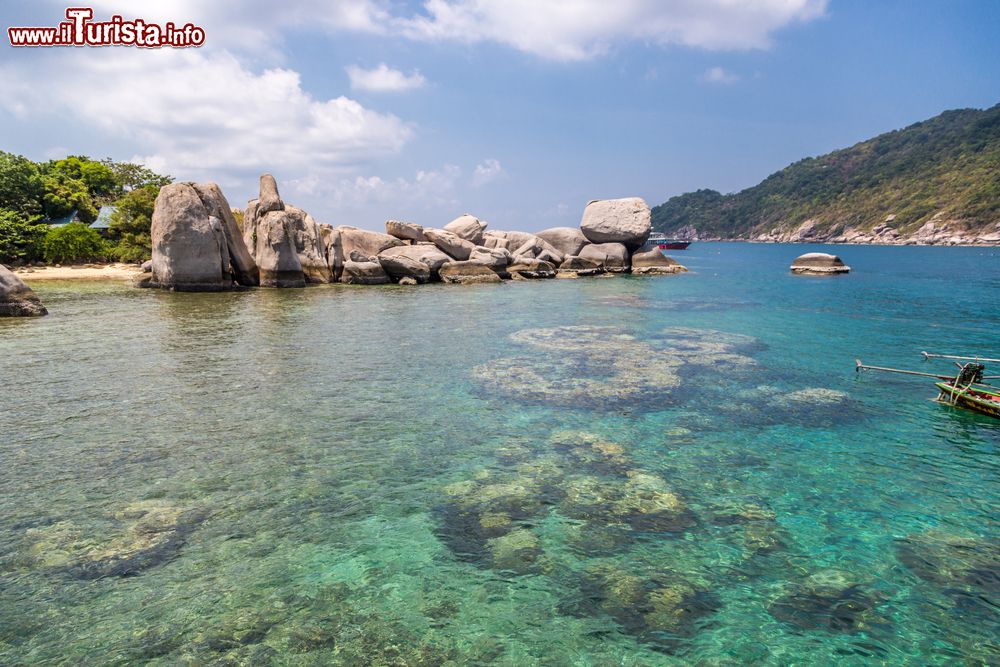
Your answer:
<point x="199" y="246"/>
<point x="819" y="264"/>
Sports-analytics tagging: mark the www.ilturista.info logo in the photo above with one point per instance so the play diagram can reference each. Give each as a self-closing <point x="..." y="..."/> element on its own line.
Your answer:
<point x="79" y="30"/>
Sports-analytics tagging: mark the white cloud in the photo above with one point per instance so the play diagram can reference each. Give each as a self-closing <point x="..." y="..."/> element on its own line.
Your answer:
<point x="194" y="113"/>
<point x="367" y="201"/>
<point x="579" y="29"/>
<point x="250" y="25"/>
<point x="383" y="79"/>
<point x="487" y="172"/>
<point x="557" y="29"/>
<point x="719" y="75"/>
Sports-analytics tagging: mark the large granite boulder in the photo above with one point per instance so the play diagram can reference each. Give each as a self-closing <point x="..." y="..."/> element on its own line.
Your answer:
<point x="818" y="263"/>
<point x="423" y="253"/>
<point x="567" y="240"/>
<point x="612" y="257"/>
<point x="16" y="298"/>
<point x="242" y="261"/>
<point x="190" y="248"/>
<point x="654" y="262"/>
<point x="467" y="227"/>
<point x="309" y="246"/>
<point x="287" y="242"/>
<point x="467" y="272"/>
<point x="531" y="269"/>
<point x="450" y="244"/>
<point x="537" y="248"/>
<point x="269" y="199"/>
<point x="574" y="266"/>
<point x="495" y="239"/>
<point x="368" y="242"/>
<point x="495" y="258"/>
<point x="406" y="231"/>
<point x="334" y="250"/>
<point x="275" y="251"/>
<point x="403" y="266"/>
<point x="363" y="273"/>
<point x="625" y="221"/>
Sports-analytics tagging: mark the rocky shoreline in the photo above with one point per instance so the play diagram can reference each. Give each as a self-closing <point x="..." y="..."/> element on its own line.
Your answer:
<point x="933" y="233"/>
<point x="198" y="246"/>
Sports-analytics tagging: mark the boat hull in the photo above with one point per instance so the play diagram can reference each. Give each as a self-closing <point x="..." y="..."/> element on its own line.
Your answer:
<point x="674" y="245"/>
<point x="981" y="400"/>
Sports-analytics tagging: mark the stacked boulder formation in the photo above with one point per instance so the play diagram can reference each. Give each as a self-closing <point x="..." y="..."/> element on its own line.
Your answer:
<point x="16" y="298"/>
<point x="197" y="246"/>
<point x="818" y="263"/>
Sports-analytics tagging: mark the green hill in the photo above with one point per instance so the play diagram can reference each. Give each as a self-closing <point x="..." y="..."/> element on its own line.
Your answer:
<point x="937" y="181"/>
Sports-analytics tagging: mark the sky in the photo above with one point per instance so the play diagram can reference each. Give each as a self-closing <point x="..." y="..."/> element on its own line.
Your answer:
<point x="517" y="111"/>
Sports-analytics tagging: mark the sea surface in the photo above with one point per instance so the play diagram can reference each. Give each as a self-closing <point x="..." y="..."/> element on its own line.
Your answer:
<point x="608" y="471"/>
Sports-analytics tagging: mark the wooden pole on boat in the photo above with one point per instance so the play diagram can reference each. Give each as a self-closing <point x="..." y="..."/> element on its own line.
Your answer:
<point x="930" y="355"/>
<point x="862" y="367"/>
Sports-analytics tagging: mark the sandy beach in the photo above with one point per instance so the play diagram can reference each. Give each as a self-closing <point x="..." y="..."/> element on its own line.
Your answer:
<point x="79" y="272"/>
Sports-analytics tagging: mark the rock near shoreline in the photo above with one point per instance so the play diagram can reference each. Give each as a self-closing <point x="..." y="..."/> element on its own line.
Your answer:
<point x="197" y="246"/>
<point x="16" y="298"/>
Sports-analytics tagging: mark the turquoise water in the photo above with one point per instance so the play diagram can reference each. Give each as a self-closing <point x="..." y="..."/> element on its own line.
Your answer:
<point x="635" y="471"/>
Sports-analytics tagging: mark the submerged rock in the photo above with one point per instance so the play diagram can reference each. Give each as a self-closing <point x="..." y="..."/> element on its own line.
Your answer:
<point x="659" y="609"/>
<point x="16" y="298"/>
<point x="144" y="534"/>
<point x="816" y="396"/>
<point x="618" y="369"/>
<point x="516" y="551"/>
<point x="952" y="560"/>
<point x="819" y="263"/>
<point x="829" y="600"/>
<point x="625" y="221"/>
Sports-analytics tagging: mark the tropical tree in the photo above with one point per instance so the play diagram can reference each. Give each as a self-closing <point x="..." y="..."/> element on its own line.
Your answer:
<point x="74" y="242"/>
<point x="131" y="176"/>
<point x="20" y="237"/>
<point x="21" y="187"/>
<point x="131" y="222"/>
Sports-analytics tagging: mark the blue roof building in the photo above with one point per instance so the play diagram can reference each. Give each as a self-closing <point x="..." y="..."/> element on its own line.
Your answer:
<point x="103" y="222"/>
<point x="63" y="221"/>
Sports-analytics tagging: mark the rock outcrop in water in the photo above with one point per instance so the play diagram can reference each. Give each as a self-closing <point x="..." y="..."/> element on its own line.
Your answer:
<point x="16" y="298"/>
<point x="624" y="221"/>
<point x="818" y="263"/>
<point x="194" y="249"/>
<point x="197" y="246"/>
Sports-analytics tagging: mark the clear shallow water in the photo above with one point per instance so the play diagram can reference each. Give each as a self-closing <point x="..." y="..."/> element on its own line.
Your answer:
<point x="413" y="476"/>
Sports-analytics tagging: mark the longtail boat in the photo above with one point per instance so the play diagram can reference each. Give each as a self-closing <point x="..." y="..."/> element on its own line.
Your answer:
<point x="968" y="389"/>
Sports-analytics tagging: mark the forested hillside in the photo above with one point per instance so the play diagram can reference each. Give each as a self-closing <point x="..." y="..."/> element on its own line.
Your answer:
<point x="935" y="181"/>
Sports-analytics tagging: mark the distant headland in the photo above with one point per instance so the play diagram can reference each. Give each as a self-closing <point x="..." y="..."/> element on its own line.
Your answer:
<point x="933" y="183"/>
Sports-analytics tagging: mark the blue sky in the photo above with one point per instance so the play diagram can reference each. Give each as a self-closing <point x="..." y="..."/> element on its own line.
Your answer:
<point x="516" y="111"/>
